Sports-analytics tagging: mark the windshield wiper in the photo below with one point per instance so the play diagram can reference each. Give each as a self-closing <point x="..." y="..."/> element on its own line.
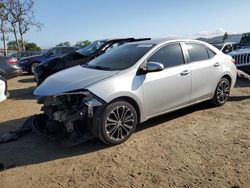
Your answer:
<point x="97" y="67"/>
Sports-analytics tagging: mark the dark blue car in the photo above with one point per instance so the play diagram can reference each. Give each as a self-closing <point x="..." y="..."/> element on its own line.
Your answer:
<point x="28" y="64"/>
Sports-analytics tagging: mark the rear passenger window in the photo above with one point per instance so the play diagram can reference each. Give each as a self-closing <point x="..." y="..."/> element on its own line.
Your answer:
<point x="210" y="53"/>
<point x="197" y="52"/>
<point x="170" y="55"/>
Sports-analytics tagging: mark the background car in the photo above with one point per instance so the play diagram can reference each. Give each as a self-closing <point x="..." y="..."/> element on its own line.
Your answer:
<point x="242" y="54"/>
<point x="227" y="47"/>
<point x="81" y="56"/>
<point x="9" y="67"/>
<point x="28" y="64"/>
<point x="20" y="55"/>
<point x="3" y="89"/>
<point x="136" y="82"/>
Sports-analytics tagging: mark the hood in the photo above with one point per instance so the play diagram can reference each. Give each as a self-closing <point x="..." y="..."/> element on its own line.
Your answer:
<point x="240" y="51"/>
<point x="71" y="79"/>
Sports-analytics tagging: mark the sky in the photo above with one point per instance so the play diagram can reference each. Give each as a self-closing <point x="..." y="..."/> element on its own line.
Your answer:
<point x="74" y="20"/>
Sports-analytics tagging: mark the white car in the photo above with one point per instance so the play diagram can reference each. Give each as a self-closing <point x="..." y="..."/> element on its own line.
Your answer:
<point x="3" y="89"/>
<point x="135" y="82"/>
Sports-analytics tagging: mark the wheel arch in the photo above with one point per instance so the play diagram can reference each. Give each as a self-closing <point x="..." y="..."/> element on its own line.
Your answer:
<point x="131" y="101"/>
<point x="227" y="76"/>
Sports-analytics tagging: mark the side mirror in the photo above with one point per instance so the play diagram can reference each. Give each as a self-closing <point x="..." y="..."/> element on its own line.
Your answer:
<point x="154" y="67"/>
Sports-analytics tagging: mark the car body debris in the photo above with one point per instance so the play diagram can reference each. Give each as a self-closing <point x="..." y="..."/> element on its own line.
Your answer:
<point x="242" y="74"/>
<point x="40" y="125"/>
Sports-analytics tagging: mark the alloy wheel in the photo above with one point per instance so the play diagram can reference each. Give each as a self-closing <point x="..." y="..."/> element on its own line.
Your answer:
<point x="119" y="123"/>
<point x="223" y="91"/>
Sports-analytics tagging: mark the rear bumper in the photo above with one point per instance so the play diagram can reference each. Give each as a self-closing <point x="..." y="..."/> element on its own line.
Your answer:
<point x="14" y="73"/>
<point x="24" y="67"/>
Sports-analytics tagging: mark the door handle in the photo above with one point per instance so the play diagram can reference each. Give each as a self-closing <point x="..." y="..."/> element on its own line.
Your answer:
<point x="185" y="72"/>
<point x="217" y="64"/>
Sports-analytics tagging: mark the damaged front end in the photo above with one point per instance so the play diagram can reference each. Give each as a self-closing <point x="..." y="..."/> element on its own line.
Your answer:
<point x="68" y="115"/>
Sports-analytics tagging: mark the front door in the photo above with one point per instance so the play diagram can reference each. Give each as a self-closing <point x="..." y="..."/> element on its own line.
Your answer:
<point x="169" y="88"/>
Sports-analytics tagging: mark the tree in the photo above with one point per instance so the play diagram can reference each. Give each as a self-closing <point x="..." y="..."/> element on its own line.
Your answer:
<point x="82" y="44"/>
<point x="10" y="14"/>
<point x="66" y="43"/>
<point x="21" y="17"/>
<point x="12" y="45"/>
<point x="29" y="46"/>
<point x="3" y="25"/>
<point x="32" y="46"/>
<point x="26" y="18"/>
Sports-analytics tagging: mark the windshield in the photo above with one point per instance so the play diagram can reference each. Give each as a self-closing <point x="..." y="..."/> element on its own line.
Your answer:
<point x="45" y="52"/>
<point x="90" y="49"/>
<point x="245" y="41"/>
<point x="121" y="57"/>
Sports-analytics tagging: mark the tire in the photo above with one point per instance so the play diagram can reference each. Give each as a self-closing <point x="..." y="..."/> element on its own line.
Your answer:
<point x="222" y="92"/>
<point x="117" y="123"/>
<point x="32" y="66"/>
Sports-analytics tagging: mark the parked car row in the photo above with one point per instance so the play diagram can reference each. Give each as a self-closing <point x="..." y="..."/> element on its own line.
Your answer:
<point x="239" y="51"/>
<point x="81" y="56"/>
<point x="242" y="54"/>
<point x="20" y="55"/>
<point x="29" y="63"/>
<point x="130" y="84"/>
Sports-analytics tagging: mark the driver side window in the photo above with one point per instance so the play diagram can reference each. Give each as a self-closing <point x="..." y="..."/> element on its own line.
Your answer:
<point x="170" y="55"/>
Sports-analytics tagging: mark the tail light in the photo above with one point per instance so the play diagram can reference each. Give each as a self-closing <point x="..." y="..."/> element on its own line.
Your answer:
<point x="12" y="61"/>
<point x="233" y="61"/>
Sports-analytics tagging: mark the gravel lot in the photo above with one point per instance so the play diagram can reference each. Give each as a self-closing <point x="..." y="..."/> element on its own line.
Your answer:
<point x="199" y="146"/>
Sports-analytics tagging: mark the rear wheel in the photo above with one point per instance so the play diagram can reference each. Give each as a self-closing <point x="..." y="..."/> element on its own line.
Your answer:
<point x="117" y="123"/>
<point x="222" y="92"/>
<point x="32" y="67"/>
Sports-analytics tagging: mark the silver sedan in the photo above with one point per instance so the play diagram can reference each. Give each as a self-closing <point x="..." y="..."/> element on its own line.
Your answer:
<point x="135" y="82"/>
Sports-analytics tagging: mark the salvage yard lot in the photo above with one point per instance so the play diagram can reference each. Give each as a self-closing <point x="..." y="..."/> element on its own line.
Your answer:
<point x="199" y="146"/>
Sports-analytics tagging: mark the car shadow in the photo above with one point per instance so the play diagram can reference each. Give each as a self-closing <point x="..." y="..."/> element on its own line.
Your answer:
<point x="242" y="82"/>
<point x="34" y="149"/>
<point x="239" y="98"/>
<point x="26" y="74"/>
<point x="26" y="80"/>
<point x="22" y="93"/>
<point x="174" y="115"/>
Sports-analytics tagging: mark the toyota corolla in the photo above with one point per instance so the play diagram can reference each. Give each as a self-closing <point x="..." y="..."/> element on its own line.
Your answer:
<point x="113" y="93"/>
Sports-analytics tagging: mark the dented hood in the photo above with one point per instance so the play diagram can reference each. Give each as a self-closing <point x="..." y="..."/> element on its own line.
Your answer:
<point x="74" y="78"/>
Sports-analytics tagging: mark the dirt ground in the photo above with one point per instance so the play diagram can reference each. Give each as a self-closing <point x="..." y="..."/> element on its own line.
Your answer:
<point x="199" y="146"/>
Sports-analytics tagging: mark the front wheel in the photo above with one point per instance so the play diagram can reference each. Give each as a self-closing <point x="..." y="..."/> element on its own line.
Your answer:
<point x="222" y="92"/>
<point x="32" y="67"/>
<point x="117" y="123"/>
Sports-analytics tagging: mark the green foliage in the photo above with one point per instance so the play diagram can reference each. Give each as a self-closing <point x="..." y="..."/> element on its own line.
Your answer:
<point x="66" y="43"/>
<point x="32" y="47"/>
<point x="82" y="44"/>
<point x="12" y="45"/>
<point x="29" y="46"/>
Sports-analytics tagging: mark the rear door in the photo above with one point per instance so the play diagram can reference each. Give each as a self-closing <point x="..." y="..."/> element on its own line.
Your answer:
<point x="169" y="88"/>
<point x="205" y="70"/>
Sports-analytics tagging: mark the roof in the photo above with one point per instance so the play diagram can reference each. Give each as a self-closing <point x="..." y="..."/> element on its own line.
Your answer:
<point x="163" y="40"/>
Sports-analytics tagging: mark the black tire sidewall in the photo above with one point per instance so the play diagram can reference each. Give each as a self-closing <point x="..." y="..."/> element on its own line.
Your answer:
<point x="101" y="128"/>
<point x="32" y="64"/>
